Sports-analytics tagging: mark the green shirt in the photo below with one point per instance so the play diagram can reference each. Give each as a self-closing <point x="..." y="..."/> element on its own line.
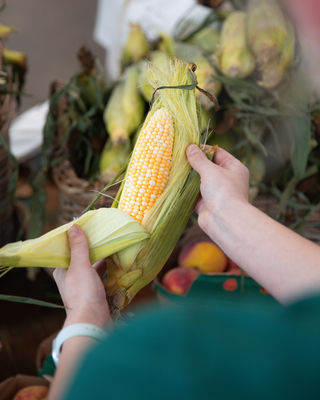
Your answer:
<point x="200" y="352"/>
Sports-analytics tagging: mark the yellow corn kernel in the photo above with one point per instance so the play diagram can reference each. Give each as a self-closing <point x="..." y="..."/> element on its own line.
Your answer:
<point x="149" y="168"/>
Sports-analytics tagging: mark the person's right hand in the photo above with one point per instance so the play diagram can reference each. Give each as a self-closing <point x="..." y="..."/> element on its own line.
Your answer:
<point x="224" y="183"/>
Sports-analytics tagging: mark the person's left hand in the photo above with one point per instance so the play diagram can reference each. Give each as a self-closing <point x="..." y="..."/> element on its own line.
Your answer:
<point x="80" y="285"/>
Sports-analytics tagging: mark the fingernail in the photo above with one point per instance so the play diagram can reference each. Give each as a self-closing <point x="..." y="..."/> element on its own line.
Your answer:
<point x="73" y="231"/>
<point x="192" y="149"/>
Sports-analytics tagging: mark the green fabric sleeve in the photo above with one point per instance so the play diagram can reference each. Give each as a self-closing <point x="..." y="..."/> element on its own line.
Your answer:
<point x="205" y="353"/>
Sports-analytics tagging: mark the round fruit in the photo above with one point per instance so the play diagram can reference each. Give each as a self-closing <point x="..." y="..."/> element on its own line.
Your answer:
<point x="35" y="392"/>
<point x="204" y="255"/>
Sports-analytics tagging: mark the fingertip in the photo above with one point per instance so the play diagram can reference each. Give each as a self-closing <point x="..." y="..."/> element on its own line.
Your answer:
<point x="192" y="149"/>
<point x="73" y="231"/>
<point x="79" y="246"/>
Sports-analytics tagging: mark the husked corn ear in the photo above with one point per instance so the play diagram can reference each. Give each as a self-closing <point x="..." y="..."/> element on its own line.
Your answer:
<point x="149" y="167"/>
<point x="159" y="188"/>
<point x="266" y="30"/>
<point x="233" y="55"/>
<point x="108" y="230"/>
<point x="125" y="109"/>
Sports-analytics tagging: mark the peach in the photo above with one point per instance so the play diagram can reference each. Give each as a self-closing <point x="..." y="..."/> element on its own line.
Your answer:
<point x="179" y="280"/>
<point x="204" y="255"/>
<point x="35" y="392"/>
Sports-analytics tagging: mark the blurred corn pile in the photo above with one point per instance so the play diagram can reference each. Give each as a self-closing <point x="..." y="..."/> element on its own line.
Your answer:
<point x="248" y="58"/>
<point x="13" y="67"/>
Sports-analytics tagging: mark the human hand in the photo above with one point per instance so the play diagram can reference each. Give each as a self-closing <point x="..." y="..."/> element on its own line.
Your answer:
<point x="224" y="184"/>
<point x="80" y="285"/>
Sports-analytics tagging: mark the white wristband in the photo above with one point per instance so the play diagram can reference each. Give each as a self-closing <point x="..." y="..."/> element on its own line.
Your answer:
<point x="72" y="331"/>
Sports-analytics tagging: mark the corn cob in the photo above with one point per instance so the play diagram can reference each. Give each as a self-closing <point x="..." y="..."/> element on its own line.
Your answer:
<point x="233" y="56"/>
<point x="159" y="191"/>
<point x="125" y="108"/>
<point x="107" y="230"/>
<point x="267" y="30"/>
<point x="136" y="46"/>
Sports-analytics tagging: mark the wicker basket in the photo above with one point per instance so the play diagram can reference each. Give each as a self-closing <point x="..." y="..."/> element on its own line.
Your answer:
<point x="75" y="194"/>
<point x="7" y="225"/>
<point x="270" y="205"/>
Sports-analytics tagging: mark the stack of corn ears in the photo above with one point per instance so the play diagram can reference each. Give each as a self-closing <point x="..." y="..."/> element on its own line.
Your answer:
<point x="152" y="207"/>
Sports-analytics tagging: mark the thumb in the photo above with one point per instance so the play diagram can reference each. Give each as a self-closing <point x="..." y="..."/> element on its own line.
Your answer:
<point x="79" y="246"/>
<point x="197" y="159"/>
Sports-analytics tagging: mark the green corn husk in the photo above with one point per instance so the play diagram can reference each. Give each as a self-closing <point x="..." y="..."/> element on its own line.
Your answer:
<point x="276" y="69"/>
<point x="208" y="119"/>
<point x="207" y="39"/>
<point x="158" y="59"/>
<point x="267" y="30"/>
<point x="136" y="266"/>
<point x="125" y="109"/>
<point x="107" y="230"/>
<point x="136" y="46"/>
<point x="112" y="159"/>
<point x="226" y="141"/>
<point x="6" y="31"/>
<point x="257" y="168"/>
<point x="205" y="71"/>
<point x="233" y="55"/>
<point x="14" y="57"/>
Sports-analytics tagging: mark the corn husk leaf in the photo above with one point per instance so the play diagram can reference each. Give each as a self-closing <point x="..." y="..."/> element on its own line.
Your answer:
<point x="27" y="300"/>
<point x="107" y="230"/>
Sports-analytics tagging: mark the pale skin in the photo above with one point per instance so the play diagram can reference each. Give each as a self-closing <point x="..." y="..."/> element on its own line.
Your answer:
<point x="283" y="262"/>
<point x="84" y="296"/>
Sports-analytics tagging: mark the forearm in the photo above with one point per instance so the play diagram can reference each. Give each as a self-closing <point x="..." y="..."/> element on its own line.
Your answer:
<point x="283" y="262"/>
<point x="72" y="351"/>
<point x="75" y="347"/>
